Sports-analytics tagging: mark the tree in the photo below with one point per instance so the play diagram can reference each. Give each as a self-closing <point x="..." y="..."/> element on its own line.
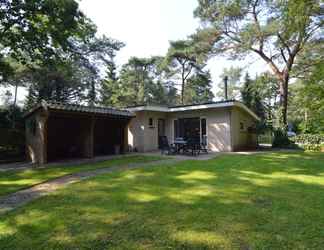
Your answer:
<point x="33" y="31"/>
<point x="182" y="59"/>
<point x="110" y="83"/>
<point x="233" y="75"/>
<point x="92" y="55"/>
<point x="275" y="31"/>
<point x="199" y="88"/>
<point x="56" y="82"/>
<point x="308" y="102"/>
<point x="251" y="97"/>
<point x="143" y="81"/>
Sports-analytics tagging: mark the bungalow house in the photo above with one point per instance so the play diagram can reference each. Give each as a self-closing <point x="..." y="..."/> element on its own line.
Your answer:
<point x="225" y="125"/>
<point x="59" y="131"/>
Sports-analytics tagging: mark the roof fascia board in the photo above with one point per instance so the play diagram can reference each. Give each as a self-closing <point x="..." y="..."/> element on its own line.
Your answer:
<point x="195" y="107"/>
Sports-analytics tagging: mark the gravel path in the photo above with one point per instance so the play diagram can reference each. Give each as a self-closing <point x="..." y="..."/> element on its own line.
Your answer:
<point x="22" y="197"/>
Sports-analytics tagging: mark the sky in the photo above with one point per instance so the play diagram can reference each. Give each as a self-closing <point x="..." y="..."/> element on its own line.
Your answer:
<point x="147" y="26"/>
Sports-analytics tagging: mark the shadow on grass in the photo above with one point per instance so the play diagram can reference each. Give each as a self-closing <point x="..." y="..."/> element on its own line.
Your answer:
<point x="269" y="201"/>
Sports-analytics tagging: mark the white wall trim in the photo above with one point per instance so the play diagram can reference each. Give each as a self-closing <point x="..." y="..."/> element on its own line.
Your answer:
<point x="195" y="107"/>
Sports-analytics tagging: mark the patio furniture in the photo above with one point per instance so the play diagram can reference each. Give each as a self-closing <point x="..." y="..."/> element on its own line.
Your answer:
<point x="166" y="147"/>
<point x="193" y="146"/>
<point x="180" y="144"/>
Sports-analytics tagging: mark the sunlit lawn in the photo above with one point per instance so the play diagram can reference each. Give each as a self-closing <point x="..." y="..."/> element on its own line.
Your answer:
<point x="268" y="201"/>
<point x="13" y="181"/>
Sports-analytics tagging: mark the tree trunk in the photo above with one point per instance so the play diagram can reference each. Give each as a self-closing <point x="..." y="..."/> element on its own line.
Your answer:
<point x="16" y="92"/>
<point x="182" y="84"/>
<point x="182" y="91"/>
<point x="283" y="91"/>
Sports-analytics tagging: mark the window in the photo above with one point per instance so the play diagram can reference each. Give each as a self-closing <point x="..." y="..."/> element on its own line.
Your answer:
<point x="151" y="122"/>
<point x="241" y="126"/>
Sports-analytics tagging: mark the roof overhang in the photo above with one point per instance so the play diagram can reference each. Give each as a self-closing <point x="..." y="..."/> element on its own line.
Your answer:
<point x="225" y="104"/>
<point x="79" y="109"/>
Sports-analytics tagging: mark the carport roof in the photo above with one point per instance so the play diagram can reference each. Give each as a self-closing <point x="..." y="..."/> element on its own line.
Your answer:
<point x="56" y="106"/>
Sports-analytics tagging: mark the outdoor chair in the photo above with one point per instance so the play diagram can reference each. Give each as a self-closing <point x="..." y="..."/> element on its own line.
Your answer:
<point x="193" y="146"/>
<point x="165" y="147"/>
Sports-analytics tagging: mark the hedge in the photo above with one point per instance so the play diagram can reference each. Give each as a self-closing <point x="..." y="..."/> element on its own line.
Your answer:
<point x="310" y="142"/>
<point x="308" y="139"/>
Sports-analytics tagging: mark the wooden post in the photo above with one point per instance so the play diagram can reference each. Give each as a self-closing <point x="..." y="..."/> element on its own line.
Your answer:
<point x="42" y="127"/>
<point x="125" y="137"/>
<point x="89" y="138"/>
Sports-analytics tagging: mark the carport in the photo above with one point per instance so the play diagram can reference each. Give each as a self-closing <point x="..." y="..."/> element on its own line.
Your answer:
<point x="56" y="131"/>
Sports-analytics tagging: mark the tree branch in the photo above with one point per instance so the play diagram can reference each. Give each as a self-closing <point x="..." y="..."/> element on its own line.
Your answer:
<point x="257" y="23"/>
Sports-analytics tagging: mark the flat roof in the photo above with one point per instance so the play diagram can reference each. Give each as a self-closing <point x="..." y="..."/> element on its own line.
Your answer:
<point x="208" y="105"/>
<point x="56" y="106"/>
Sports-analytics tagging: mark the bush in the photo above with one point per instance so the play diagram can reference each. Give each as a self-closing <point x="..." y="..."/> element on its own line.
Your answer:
<point x="310" y="142"/>
<point x="281" y="139"/>
<point x="313" y="147"/>
<point x="308" y="139"/>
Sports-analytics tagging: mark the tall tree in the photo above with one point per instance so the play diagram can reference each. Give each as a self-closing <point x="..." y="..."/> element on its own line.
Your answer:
<point x="33" y="31"/>
<point x="251" y="96"/>
<point x="92" y="55"/>
<point x="308" y="102"/>
<point x="143" y="81"/>
<point x="275" y="31"/>
<point x="182" y="59"/>
<point x="198" y="88"/>
<point x="58" y="82"/>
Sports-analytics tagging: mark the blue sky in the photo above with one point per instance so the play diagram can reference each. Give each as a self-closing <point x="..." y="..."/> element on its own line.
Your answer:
<point x="147" y="26"/>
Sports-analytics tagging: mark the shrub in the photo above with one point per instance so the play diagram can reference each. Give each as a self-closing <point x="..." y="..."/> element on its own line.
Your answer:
<point x="313" y="147"/>
<point x="308" y="139"/>
<point x="280" y="139"/>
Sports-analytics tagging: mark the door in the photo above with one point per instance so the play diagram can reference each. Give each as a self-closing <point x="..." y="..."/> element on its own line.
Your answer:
<point x="161" y="130"/>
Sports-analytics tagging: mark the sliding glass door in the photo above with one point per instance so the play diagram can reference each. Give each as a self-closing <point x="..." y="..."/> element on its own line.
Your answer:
<point x="190" y="128"/>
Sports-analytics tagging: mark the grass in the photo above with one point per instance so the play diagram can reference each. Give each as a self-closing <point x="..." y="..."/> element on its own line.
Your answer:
<point x="12" y="181"/>
<point x="264" y="201"/>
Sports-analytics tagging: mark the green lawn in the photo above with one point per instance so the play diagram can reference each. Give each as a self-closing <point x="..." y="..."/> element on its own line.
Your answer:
<point x="13" y="181"/>
<point x="265" y="201"/>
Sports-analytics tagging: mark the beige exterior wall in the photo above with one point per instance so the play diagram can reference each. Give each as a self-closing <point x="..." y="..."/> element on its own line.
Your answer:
<point x="218" y="127"/>
<point x="241" y="137"/>
<point x="141" y="136"/>
<point x="145" y="138"/>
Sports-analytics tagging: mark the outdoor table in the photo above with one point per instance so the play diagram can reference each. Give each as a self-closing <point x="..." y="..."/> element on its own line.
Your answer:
<point x="180" y="143"/>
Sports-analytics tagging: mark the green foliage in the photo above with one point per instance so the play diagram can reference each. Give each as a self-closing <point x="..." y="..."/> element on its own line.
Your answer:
<point x="275" y="31"/>
<point x="251" y="97"/>
<point x="313" y="147"/>
<point x="310" y="142"/>
<point x="12" y="134"/>
<point x="38" y="30"/>
<point x="309" y="139"/>
<point x="198" y="88"/>
<point x="281" y="139"/>
<point x="141" y="81"/>
<point x="307" y="101"/>
<point x="58" y="82"/>
<point x="182" y="60"/>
